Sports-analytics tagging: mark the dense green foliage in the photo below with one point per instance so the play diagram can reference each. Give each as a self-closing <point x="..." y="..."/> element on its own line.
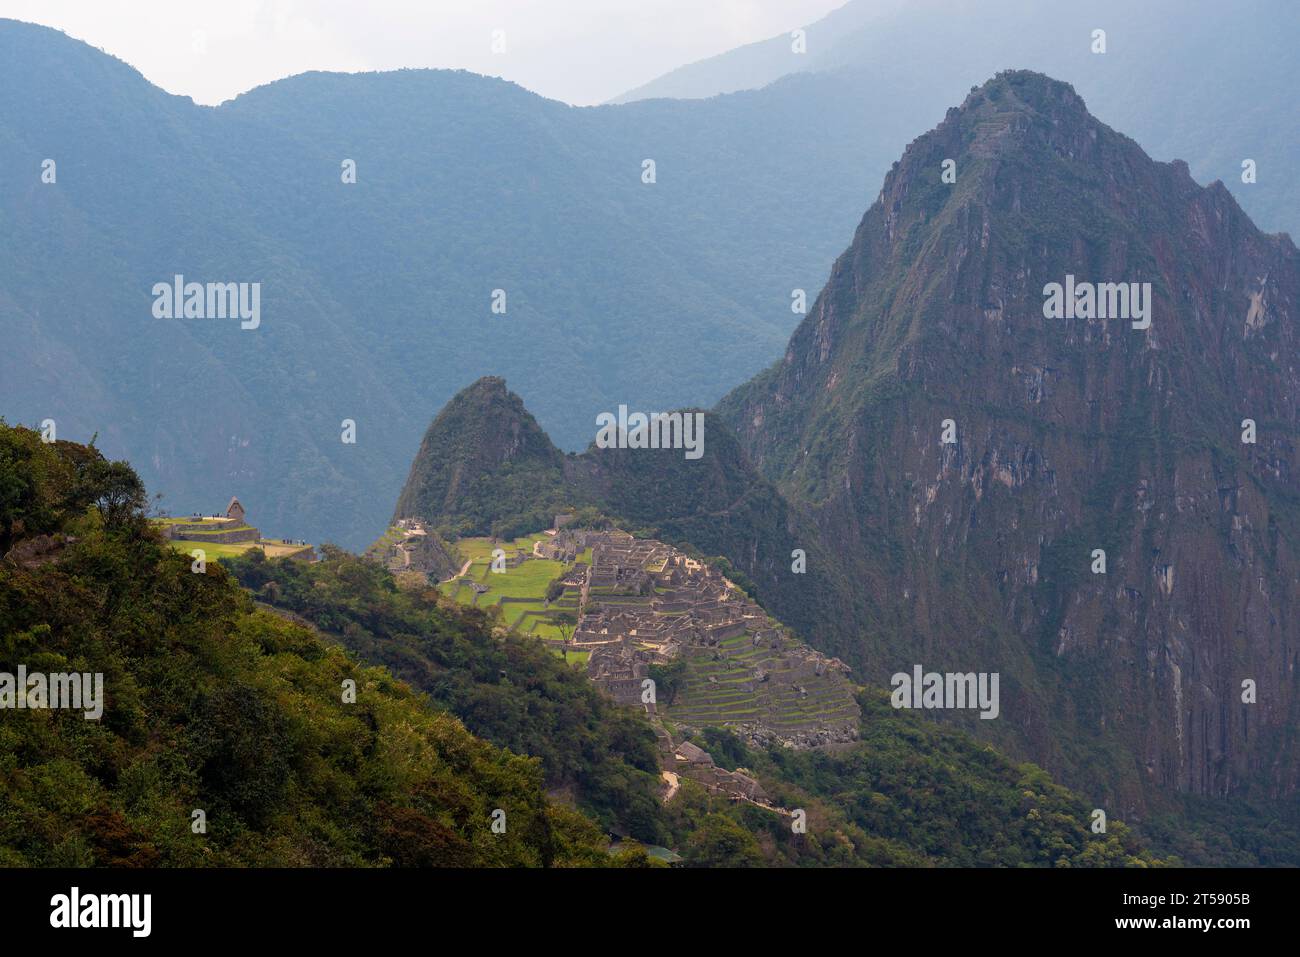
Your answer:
<point x="910" y="794"/>
<point x="1242" y="832"/>
<point x="485" y="467"/>
<point x="957" y="801"/>
<point x="506" y="688"/>
<point x="216" y="705"/>
<point x="212" y="705"/>
<point x="914" y="793"/>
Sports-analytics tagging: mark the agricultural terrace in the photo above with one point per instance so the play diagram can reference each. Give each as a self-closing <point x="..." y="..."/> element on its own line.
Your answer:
<point x="519" y="591"/>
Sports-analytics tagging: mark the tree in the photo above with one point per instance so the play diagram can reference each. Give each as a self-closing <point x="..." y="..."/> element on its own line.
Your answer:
<point x="668" y="679"/>
<point x="565" y="621"/>
<point x="119" y="493"/>
<point x="721" y="842"/>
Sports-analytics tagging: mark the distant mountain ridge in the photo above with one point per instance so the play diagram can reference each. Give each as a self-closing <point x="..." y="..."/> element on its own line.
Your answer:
<point x="1196" y="80"/>
<point x="376" y="295"/>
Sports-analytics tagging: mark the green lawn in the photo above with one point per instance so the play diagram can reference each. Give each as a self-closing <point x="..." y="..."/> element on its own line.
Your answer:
<point x="223" y="531"/>
<point x="528" y="581"/>
<point x="214" y="549"/>
<point x="475" y="549"/>
<point x="515" y="610"/>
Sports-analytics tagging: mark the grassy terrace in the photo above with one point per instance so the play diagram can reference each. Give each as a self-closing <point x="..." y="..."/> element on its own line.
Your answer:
<point x="214" y="549"/>
<point x="734" y="696"/>
<point x="223" y="531"/>
<point x="520" y="592"/>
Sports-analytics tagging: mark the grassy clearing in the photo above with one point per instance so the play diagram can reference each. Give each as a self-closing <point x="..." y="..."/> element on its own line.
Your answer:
<point x="282" y="549"/>
<point x="214" y="549"/>
<point x="527" y="581"/>
<point x="217" y="550"/>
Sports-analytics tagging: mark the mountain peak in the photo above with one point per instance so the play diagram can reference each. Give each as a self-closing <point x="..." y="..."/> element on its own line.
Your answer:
<point x="482" y="439"/>
<point x="488" y="398"/>
<point x="1024" y="91"/>
<point x="488" y="385"/>
<point x="1019" y="115"/>
<point x="933" y="403"/>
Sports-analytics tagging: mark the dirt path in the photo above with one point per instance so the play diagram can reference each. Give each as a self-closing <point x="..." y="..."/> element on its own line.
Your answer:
<point x="673" y="784"/>
<point x="460" y="574"/>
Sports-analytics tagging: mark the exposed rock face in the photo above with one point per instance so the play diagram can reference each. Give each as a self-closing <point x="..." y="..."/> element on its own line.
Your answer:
<point x="429" y="554"/>
<point x="37" y="551"/>
<point x="412" y="547"/>
<point x="1071" y="435"/>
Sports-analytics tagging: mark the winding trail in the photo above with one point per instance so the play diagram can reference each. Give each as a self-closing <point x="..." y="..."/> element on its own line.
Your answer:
<point x="460" y="574"/>
<point x="673" y="784"/>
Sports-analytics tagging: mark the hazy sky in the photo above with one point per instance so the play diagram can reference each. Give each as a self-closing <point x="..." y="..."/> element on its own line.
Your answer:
<point x="579" y="51"/>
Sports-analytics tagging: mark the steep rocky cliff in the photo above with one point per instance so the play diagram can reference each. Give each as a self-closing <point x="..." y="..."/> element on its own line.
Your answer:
<point x="1068" y="435"/>
<point x="953" y="447"/>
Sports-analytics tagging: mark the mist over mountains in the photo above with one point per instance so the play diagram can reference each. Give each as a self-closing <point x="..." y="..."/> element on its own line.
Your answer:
<point x="983" y="359"/>
<point x="1205" y="82"/>
<point x="376" y="296"/>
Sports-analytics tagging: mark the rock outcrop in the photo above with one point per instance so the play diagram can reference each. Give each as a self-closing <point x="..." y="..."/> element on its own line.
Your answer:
<point x="967" y="456"/>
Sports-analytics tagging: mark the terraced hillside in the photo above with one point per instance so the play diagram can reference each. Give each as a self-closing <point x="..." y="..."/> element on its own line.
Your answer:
<point x="519" y="590"/>
<point x="225" y="538"/>
<point x="767" y="686"/>
<point x="622" y="607"/>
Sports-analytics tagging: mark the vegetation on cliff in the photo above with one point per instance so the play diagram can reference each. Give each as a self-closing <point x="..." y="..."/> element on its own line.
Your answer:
<point x="214" y="706"/>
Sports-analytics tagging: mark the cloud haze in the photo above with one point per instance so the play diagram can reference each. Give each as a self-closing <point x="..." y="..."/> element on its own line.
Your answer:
<point x="579" y="51"/>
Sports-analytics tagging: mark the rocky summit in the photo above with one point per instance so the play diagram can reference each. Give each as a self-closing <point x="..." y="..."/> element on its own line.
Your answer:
<point x="1098" y="502"/>
<point x="1103" y="509"/>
